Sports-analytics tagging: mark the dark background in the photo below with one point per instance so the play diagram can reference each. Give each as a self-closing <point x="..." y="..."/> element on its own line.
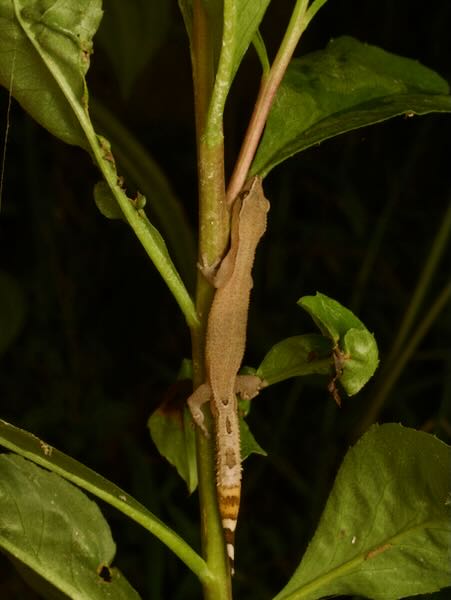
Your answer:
<point x="101" y="339"/>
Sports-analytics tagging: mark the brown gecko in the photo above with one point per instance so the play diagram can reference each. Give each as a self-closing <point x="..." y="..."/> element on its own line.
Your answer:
<point x="224" y="350"/>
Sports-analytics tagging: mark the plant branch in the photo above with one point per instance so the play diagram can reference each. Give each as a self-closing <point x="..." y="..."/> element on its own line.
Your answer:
<point x="268" y="87"/>
<point x="213" y="232"/>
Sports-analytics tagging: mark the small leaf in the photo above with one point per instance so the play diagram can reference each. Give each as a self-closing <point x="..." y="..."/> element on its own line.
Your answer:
<point x="106" y="202"/>
<point x="130" y="34"/>
<point x="54" y="529"/>
<point x="343" y="87"/>
<point x="333" y="319"/>
<point x="385" y="531"/>
<point x="172" y="431"/>
<point x="296" y="356"/>
<point x="354" y="347"/>
<point x="361" y="359"/>
<point x="32" y="31"/>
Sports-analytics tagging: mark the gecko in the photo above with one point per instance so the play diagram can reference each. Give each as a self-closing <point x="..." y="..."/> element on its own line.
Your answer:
<point x="224" y="351"/>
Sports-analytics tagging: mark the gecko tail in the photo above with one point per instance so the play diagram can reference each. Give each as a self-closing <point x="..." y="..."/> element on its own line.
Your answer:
<point x="229" y="505"/>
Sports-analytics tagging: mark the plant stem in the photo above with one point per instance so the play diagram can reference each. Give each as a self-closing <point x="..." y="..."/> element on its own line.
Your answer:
<point x="265" y="98"/>
<point x="213" y="234"/>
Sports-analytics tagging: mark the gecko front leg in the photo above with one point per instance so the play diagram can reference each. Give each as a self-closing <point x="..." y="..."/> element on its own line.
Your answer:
<point x="249" y="386"/>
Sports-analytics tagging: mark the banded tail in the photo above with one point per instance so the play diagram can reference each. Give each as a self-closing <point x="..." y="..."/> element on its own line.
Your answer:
<point x="229" y="505"/>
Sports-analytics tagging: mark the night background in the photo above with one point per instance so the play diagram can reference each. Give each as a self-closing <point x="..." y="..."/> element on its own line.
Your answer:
<point x="97" y="338"/>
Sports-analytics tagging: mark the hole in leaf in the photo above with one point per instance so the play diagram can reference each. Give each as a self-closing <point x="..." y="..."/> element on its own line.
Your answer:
<point x="104" y="573"/>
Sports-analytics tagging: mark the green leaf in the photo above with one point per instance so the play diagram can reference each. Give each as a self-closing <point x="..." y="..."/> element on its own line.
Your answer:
<point x="43" y="454"/>
<point x="130" y="34"/>
<point x="54" y="529"/>
<point x="343" y="87"/>
<point x="386" y="529"/>
<point x="49" y="91"/>
<point x="106" y="202"/>
<point x="172" y="431"/>
<point x="333" y="319"/>
<point x="12" y="310"/>
<point x="296" y="356"/>
<point x="354" y="347"/>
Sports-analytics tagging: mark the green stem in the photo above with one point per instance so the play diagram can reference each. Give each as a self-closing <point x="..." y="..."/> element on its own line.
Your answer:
<point x="268" y="87"/>
<point x="213" y="234"/>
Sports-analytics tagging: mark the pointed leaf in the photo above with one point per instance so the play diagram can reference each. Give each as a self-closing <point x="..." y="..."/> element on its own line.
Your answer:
<point x="55" y="530"/>
<point x="385" y="532"/>
<point x="243" y="18"/>
<point x="343" y="87"/>
<point x="296" y="356"/>
<point x="32" y="31"/>
<point x="355" y="350"/>
<point x="249" y="16"/>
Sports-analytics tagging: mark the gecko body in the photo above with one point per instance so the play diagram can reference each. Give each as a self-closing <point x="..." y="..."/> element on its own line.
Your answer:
<point x="224" y="351"/>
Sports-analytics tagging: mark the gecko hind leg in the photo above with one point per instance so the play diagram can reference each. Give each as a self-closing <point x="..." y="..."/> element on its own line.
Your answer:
<point x="197" y="399"/>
